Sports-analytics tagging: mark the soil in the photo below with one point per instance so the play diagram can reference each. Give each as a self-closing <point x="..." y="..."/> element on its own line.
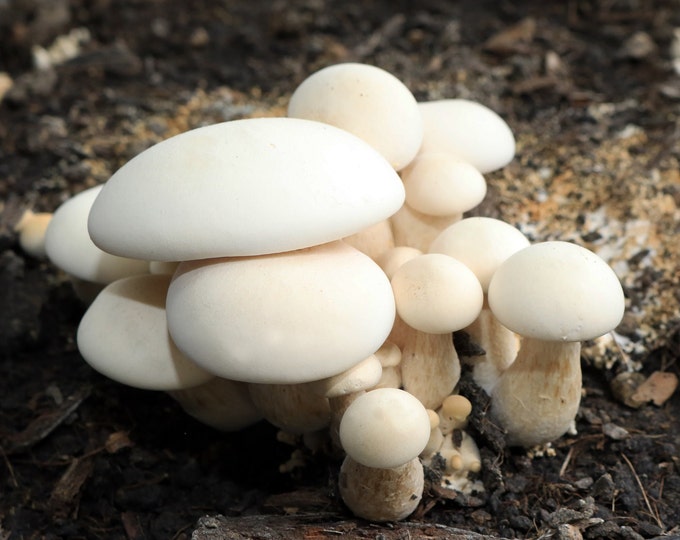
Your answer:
<point x="593" y="92"/>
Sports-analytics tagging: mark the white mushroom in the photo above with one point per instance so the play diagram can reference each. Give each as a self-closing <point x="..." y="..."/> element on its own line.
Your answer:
<point x="469" y="131"/>
<point x="366" y="101"/>
<point x="286" y="318"/>
<point x="124" y="335"/>
<point x="482" y="244"/>
<point x="435" y="295"/>
<point x="342" y="389"/>
<point x="383" y="432"/>
<point x="31" y="228"/>
<point x="241" y="188"/>
<point x="69" y="247"/>
<point x="417" y="230"/>
<point x="554" y="295"/>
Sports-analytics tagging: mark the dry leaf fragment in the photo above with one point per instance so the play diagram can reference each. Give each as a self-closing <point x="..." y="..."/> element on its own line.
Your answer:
<point x="658" y="387"/>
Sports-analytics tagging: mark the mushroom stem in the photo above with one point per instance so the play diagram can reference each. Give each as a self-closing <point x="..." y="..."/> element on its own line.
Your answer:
<point x="415" y="229"/>
<point x="381" y="494"/>
<point x="294" y="408"/>
<point x="430" y="368"/>
<point x="373" y="240"/>
<point x="537" y="397"/>
<point x="500" y="345"/>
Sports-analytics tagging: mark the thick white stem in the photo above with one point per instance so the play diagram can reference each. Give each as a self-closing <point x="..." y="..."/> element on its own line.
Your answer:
<point x="537" y="397"/>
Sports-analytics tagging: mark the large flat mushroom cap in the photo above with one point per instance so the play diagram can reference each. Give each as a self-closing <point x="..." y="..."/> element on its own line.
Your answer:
<point x="556" y="291"/>
<point x="291" y="317"/>
<point x="246" y="187"/>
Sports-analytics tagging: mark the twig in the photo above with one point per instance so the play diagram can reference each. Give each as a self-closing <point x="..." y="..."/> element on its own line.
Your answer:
<point x="565" y="464"/>
<point x="654" y="514"/>
<point x="9" y="468"/>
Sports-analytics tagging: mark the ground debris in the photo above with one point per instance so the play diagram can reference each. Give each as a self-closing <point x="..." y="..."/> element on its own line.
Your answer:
<point x="41" y="427"/>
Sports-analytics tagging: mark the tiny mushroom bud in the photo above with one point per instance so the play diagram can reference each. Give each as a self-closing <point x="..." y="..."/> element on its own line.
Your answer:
<point x="366" y="101"/>
<point x="483" y="244"/>
<point x="454" y="412"/>
<point x="31" y="229"/>
<point x="383" y="432"/>
<point x="469" y="131"/>
<point x="124" y="335"/>
<point x="554" y="295"/>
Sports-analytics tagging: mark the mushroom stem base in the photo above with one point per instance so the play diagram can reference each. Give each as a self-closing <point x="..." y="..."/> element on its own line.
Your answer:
<point x="537" y="397"/>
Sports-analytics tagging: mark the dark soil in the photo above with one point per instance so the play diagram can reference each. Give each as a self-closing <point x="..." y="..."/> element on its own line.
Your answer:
<point x="83" y="457"/>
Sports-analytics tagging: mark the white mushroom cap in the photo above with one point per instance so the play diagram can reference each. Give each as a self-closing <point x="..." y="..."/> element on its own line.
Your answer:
<point x="32" y="228"/>
<point x="291" y="317"/>
<point x="124" y="336"/>
<point x="439" y="184"/>
<point x="246" y="187"/>
<point x="468" y="130"/>
<point x="366" y="101"/>
<point x="384" y="428"/>
<point x="437" y="294"/>
<point x="363" y="376"/>
<point x="69" y="247"/>
<point x="556" y="291"/>
<point x="481" y="243"/>
<point x="392" y="259"/>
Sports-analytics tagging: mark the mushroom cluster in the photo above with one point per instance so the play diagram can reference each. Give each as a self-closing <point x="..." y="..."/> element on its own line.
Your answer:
<point x="310" y="270"/>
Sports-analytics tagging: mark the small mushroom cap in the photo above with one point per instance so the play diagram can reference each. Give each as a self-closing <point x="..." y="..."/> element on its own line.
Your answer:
<point x="437" y="294"/>
<point x="291" y="317"/>
<point x="32" y="228"/>
<point x="557" y="291"/>
<point x="384" y="428"/>
<point x="124" y="336"/>
<point x="245" y="187"/>
<point x="392" y="259"/>
<point x="366" y="374"/>
<point x="366" y="101"/>
<point x="439" y="184"/>
<point x="468" y="130"/>
<point x="481" y="243"/>
<point x="69" y="247"/>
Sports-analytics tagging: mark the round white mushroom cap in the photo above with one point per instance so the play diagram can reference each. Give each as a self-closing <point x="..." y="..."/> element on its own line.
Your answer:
<point x="437" y="294"/>
<point x="69" y="247"/>
<point x="367" y="101"/>
<point x="469" y="131"/>
<point x="384" y="428"/>
<point x="124" y="335"/>
<point x="439" y="184"/>
<point x="556" y="291"/>
<point x="481" y="243"/>
<point x="285" y="318"/>
<point x="246" y="187"/>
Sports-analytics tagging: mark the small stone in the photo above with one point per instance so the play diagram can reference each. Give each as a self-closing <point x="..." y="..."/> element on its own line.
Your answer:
<point x="603" y="488"/>
<point x="624" y="385"/>
<point x="615" y="432"/>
